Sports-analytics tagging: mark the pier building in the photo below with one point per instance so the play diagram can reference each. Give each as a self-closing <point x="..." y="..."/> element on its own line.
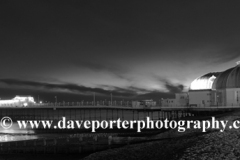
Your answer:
<point x="211" y="89"/>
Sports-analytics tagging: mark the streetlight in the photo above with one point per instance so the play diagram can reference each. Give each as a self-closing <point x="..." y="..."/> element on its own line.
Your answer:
<point x="55" y="99"/>
<point x="93" y="98"/>
<point x="111" y="98"/>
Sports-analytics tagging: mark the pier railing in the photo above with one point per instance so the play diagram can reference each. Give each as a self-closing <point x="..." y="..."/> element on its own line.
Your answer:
<point x="92" y="103"/>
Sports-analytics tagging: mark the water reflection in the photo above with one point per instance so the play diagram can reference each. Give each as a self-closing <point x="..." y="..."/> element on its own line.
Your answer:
<point x="10" y="137"/>
<point x="16" y="134"/>
<point x="16" y="130"/>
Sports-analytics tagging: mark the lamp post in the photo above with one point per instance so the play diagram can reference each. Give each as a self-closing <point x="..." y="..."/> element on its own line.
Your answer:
<point x="93" y="98"/>
<point x="111" y="98"/>
<point x="55" y="99"/>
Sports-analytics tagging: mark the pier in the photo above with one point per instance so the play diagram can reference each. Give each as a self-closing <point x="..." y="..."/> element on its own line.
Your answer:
<point x="78" y="111"/>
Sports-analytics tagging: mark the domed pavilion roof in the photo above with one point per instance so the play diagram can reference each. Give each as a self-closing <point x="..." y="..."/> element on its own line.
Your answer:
<point x="204" y="82"/>
<point x="228" y="79"/>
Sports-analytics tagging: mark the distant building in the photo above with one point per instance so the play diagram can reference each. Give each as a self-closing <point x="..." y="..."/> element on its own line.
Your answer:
<point x="144" y="104"/>
<point x="18" y="101"/>
<point x="168" y="102"/>
<point x="180" y="100"/>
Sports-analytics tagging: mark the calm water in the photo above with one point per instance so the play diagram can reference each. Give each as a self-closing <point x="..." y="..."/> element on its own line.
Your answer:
<point x="16" y="134"/>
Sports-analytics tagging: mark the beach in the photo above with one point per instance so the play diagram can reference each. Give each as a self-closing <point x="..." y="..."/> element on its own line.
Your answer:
<point x="191" y="144"/>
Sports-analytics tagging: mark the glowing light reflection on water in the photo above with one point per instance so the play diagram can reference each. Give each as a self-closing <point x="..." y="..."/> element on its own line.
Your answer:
<point x="16" y="134"/>
<point x="10" y="137"/>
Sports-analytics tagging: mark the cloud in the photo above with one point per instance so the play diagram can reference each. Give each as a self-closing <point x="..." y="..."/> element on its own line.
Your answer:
<point x="104" y="66"/>
<point x="132" y="88"/>
<point x="225" y="55"/>
<point x="117" y="91"/>
<point x="156" y="95"/>
<point x="174" y="88"/>
<point x="83" y="92"/>
<point x="100" y="66"/>
<point x="171" y="87"/>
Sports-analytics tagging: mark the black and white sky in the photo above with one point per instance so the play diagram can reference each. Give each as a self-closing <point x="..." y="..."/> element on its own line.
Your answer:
<point x="134" y="49"/>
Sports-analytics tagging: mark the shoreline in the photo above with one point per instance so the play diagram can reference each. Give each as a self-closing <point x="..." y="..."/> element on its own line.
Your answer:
<point x="169" y="144"/>
<point x="191" y="144"/>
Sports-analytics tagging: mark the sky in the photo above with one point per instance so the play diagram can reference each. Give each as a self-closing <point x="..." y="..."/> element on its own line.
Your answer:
<point x="133" y="49"/>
